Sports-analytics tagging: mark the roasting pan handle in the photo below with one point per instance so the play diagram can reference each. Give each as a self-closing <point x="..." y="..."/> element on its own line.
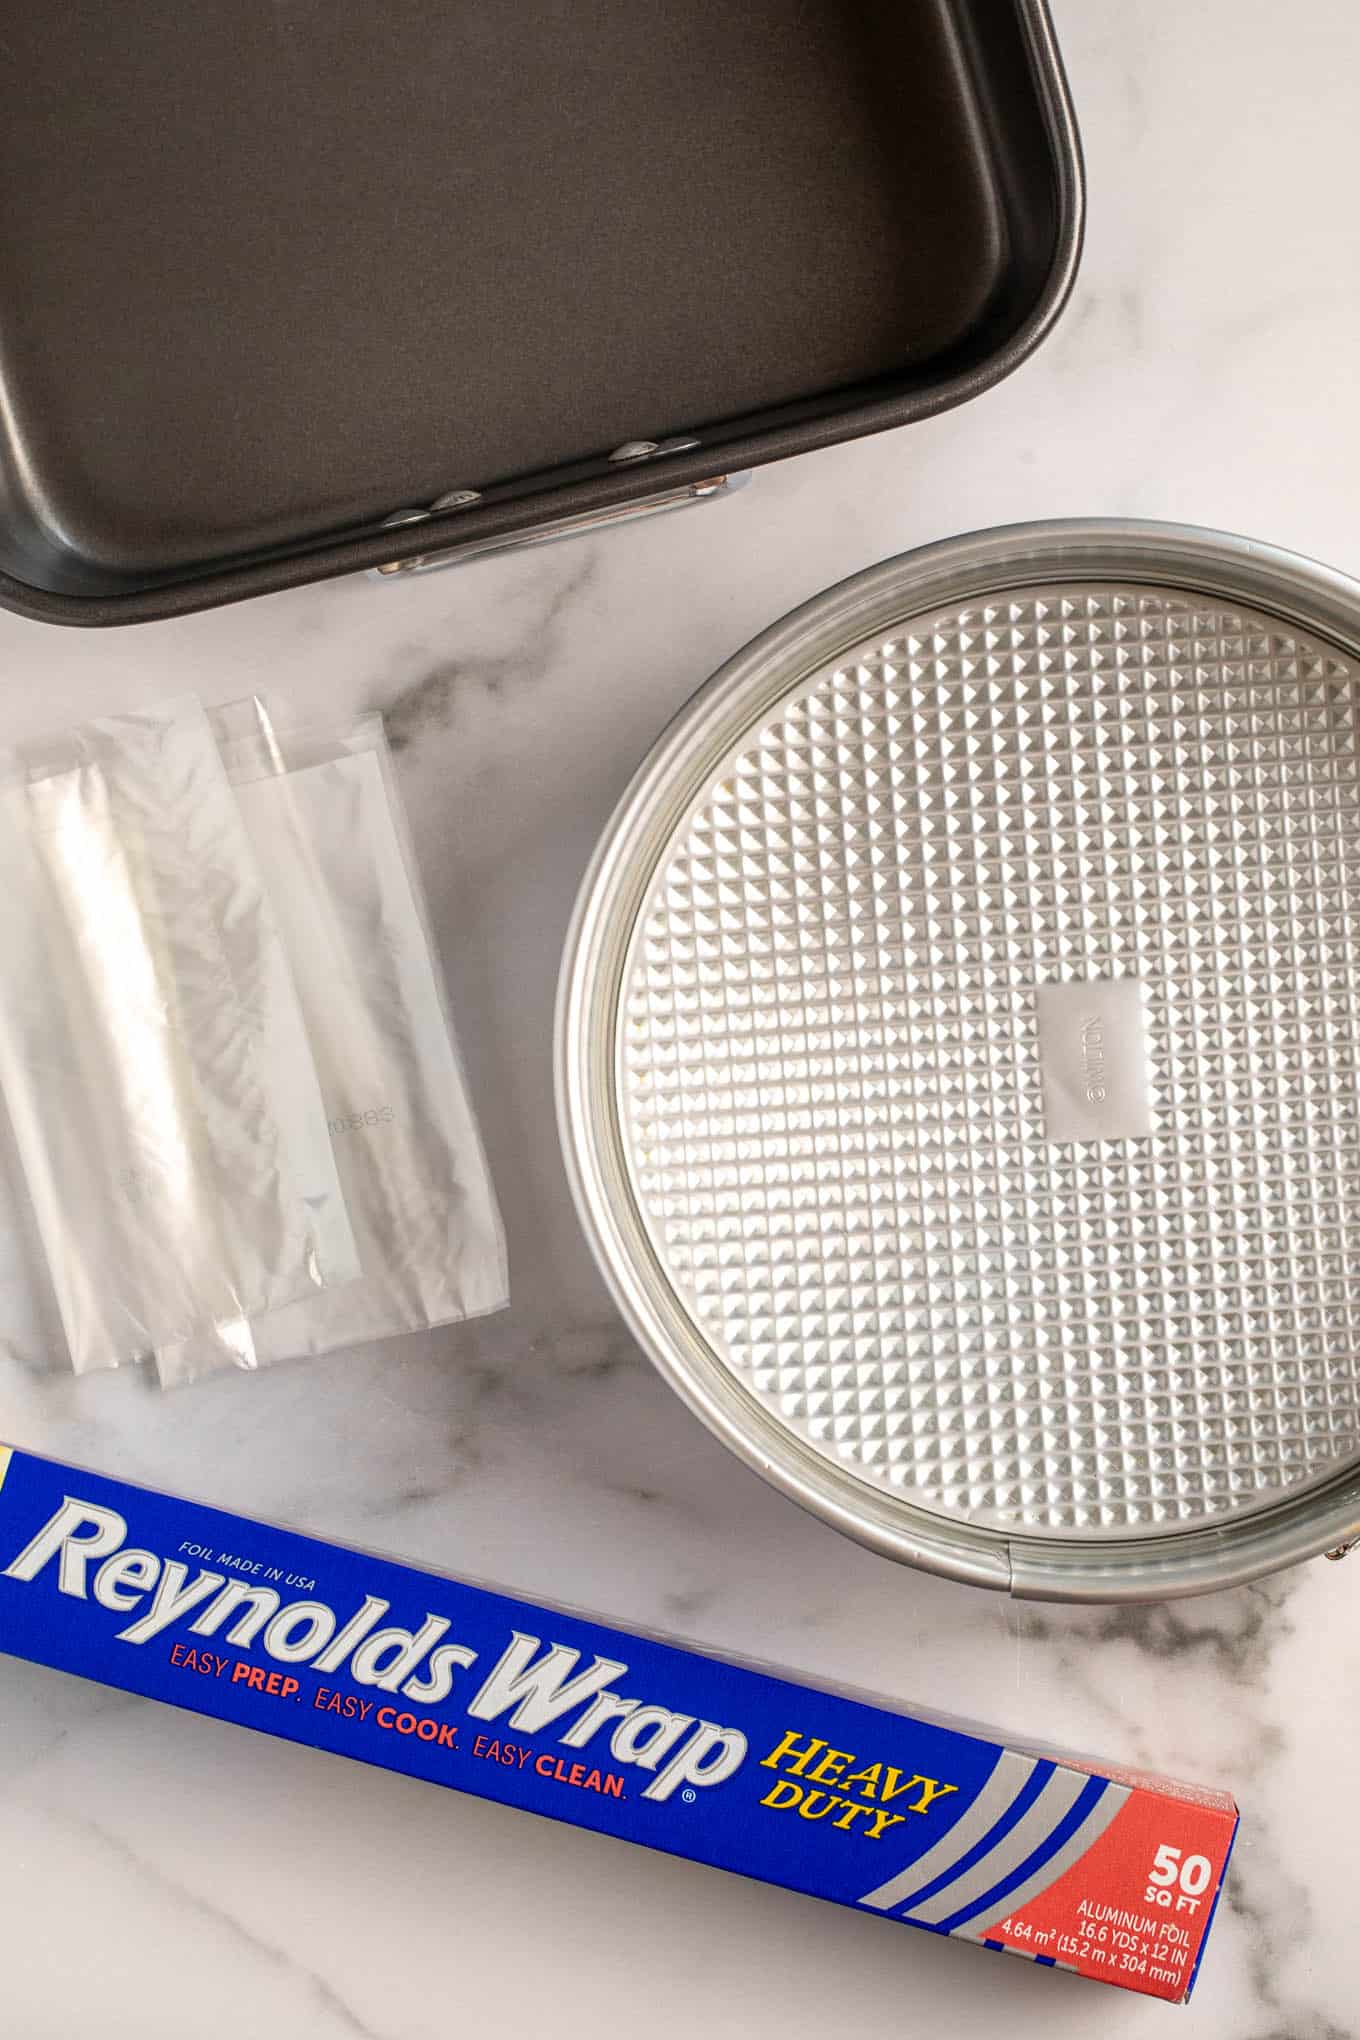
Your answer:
<point x="715" y="489"/>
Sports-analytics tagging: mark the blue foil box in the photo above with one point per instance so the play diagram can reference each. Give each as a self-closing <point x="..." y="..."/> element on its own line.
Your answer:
<point x="1112" y="1874"/>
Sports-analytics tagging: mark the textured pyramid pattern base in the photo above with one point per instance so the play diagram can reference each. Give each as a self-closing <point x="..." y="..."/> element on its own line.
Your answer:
<point x="832" y="1103"/>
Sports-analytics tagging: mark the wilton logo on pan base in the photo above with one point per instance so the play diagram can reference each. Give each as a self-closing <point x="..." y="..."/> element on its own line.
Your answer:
<point x="1093" y="1060"/>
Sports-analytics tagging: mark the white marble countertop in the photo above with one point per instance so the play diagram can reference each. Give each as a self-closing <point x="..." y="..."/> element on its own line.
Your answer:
<point x="166" y="1878"/>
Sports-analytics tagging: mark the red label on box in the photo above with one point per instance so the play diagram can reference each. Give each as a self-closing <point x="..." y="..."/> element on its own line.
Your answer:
<point x="1135" y="1907"/>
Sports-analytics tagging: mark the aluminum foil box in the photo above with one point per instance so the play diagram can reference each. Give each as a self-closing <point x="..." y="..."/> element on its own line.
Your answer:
<point x="1077" y="1866"/>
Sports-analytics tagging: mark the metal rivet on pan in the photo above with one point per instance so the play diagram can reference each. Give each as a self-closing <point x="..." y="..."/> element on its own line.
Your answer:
<point x="400" y="517"/>
<point x="455" y="499"/>
<point x="647" y="449"/>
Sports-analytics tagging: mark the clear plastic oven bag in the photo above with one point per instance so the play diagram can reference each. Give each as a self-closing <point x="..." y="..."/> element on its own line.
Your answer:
<point x="163" y="1096"/>
<point x="324" y="817"/>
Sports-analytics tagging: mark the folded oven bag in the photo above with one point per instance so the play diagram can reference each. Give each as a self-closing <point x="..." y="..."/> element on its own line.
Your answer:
<point x="162" y="1094"/>
<point x="324" y="817"/>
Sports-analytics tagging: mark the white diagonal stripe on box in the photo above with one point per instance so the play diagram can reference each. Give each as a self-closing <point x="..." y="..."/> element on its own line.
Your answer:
<point x="1091" y="1829"/>
<point x="1008" y="1778"/>
<point x="1058" y="1797"/>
